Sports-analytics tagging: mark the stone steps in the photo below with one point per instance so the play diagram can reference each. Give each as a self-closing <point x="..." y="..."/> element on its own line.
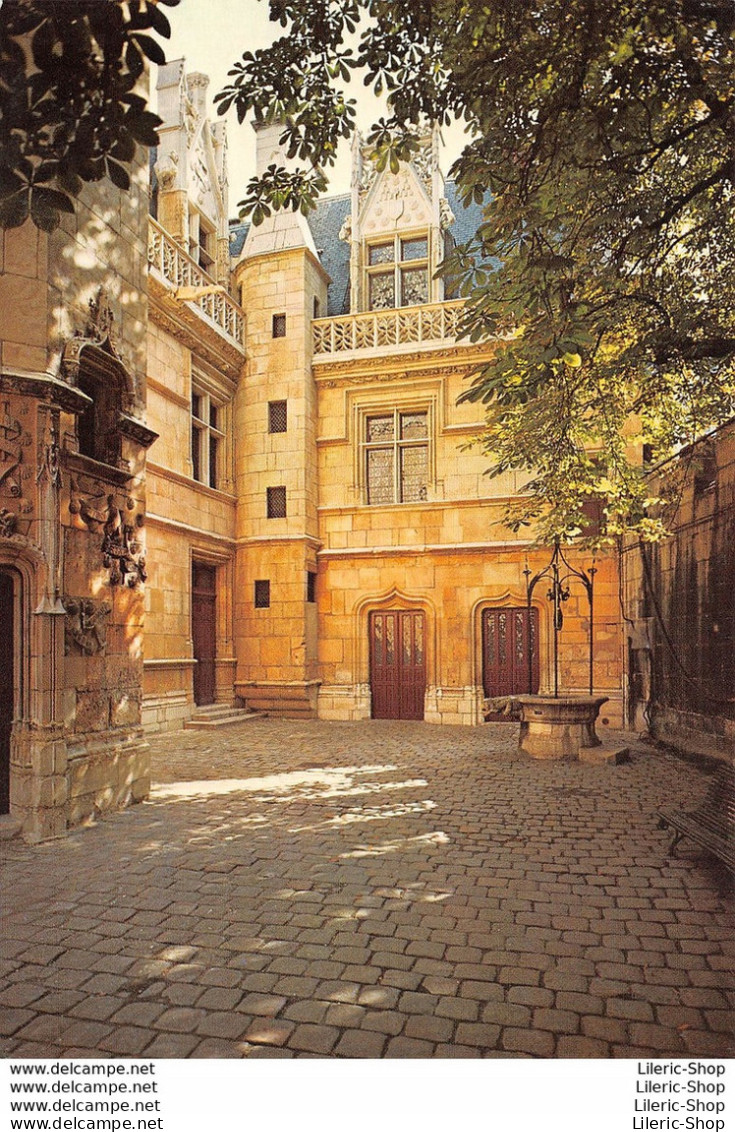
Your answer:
<point x="218" y="715"/>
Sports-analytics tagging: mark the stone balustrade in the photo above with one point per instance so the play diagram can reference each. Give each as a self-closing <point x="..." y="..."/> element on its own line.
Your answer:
<point x="179" y="270"/>
<point x="430" y="324"/>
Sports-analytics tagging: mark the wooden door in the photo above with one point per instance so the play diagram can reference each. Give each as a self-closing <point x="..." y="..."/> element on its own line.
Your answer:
<point x="7" y="694"/>
<point x="397" y="664"/>
<point x="507" y="637"/>
<point x="203" y="630"/>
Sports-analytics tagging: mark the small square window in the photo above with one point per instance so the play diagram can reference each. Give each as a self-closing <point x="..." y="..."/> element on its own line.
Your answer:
<point x="279" y="326"/>
<point x="310" y="586"/>
<point x="262" y="594"/>
<point x="277" y="416"/>
<point x="276" y="502"/>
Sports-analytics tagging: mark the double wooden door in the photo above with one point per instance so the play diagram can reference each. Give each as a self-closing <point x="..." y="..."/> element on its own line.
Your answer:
<point x="398" y="664"/>
<point x="7" y="691"/>
<point x="204" y="630"/>
<point x="510" y="665"/>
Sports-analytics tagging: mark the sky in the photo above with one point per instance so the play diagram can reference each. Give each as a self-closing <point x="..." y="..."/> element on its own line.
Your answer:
<point x="211" y="35"/>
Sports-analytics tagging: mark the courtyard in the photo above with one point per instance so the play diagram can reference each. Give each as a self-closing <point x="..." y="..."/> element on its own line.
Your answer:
<point x="380" y="889"/>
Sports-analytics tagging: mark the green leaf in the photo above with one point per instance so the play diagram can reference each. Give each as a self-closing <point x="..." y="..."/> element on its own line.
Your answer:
<point x="118" y="174"/>
<point x="150" y="48"/>
<point x="14" y="210"/>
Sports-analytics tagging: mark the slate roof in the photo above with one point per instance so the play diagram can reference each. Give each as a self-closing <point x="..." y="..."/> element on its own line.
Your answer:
<point x="326" y="223"/>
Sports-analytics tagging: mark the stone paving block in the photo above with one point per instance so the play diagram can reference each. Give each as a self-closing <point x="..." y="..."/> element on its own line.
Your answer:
<point x="338" y="991"/>
<point x="220" y="998"/>
<point x="432" y="1029"/>
<point x="414" y="1002"/>
<point x="403" y="980"/>
<point x="12" y="1019"/>
<point x="224" y="1024"/>
<point x="506" y="1014"/>
<point x="558" y="1021"/>
<point x="384" y="1021"/>
<point x="21" y="994"/>
<point x="273" y="1031"/>
<point x="531" y="996"/>
<point x="127" y="1041"/>
<point x="138" y="1014"/>
<point x="180" y="1019"/>
<point x="172" y="1045"/>
<point x="655" y="1037"/>
<point x="379" y="997"/>
<point x="580" y="1047"/>
<point x="218" y="1049"/>
<point x="344" y="1015"/>
<point x="314" y="1038"/>
<point x="360" y="1043"/>
<point x="408" y="1048"/>
<point x="481" y="1034"/>
<point x="305" y="1010"/>
<point x="537" y="1042"/>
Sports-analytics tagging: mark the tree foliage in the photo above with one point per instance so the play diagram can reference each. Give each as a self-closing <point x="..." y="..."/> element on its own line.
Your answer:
<point x="602" y="132"/>
<point x="69" y="112"/>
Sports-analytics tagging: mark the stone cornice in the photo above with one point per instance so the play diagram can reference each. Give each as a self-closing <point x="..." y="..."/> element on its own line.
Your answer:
<point x="44" y="387"/>
<point x="448" y="361"/>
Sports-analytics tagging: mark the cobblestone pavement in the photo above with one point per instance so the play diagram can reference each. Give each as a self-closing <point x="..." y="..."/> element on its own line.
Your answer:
<point x="371" y="890"/>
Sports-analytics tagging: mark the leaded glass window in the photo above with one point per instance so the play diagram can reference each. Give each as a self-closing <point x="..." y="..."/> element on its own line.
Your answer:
<point x="397" y="273"/>
<point x="396" y="457"/>
<point x="207" y="438"/>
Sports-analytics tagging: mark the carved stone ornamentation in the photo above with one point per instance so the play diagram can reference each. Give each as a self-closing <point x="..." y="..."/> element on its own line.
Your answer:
<point x="85" y="630"/>
<point x="100" y="325"/>
<point x="345" y="232"/>
<point x="166" y="170"/>
<point x="446" y="216"/>
<point x="122" y="553"/>
<point x="8" y="523"/>
<point x="13" y="439"/>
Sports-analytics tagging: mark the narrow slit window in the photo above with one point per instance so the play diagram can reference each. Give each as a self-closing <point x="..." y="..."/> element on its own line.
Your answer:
<point x="310" y="586"/>
<point x="262" y="594"/>
<point x="276" y="502"/>
<point x="277" y="416"/>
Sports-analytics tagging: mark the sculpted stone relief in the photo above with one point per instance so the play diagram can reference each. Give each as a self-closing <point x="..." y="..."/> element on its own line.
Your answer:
<point x="85" y="629"/>
<point x="15" y="469"/>
<point x="121" y="549"/>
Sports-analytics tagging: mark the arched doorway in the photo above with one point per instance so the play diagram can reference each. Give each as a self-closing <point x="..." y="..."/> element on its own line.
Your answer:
<point x="510" y="660"/>
<point x="7" y="682"/>
<point x="397" y="663"/>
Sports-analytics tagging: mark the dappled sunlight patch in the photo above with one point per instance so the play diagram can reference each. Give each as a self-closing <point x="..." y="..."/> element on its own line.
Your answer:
<point x="398" y="844"/>
<point x="304" y="785"/>
<point x="368" y="814"/>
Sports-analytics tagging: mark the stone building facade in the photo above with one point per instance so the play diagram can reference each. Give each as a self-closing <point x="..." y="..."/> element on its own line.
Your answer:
<point x="73" y="441"/>
<point x="346" y="557"/>
<point x="235" y="472"/>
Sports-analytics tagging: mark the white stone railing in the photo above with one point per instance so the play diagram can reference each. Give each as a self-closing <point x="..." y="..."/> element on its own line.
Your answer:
<point x="176" y="267"/>
<point x="428" y="324"/>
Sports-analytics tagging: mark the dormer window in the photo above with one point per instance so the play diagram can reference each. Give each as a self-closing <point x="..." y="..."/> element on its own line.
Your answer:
<point x="397" y="272"/>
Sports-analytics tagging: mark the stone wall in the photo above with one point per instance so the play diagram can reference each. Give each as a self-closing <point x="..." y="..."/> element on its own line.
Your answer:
<point x="680" y="610"/>
<point x="73" y="310"/>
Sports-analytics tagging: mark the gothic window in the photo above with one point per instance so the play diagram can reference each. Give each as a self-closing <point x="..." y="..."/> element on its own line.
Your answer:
<point x="396" y="457"/>
<point x="97" y="425"/>
<point x="207" y="437"/>
<point x="397" y="272"/>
